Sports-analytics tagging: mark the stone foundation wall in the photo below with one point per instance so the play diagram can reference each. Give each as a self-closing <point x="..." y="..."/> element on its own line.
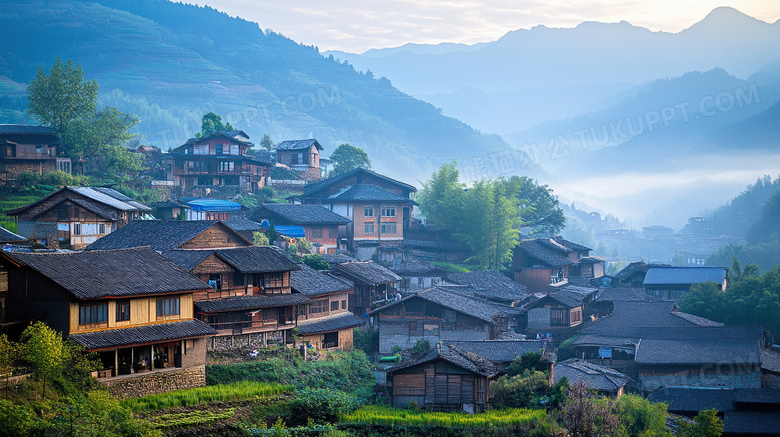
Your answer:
<point x="245" y="341"/>
<point x="152" y="383"/>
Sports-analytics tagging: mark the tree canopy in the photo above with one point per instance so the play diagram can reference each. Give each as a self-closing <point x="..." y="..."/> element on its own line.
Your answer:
<point x="62" y="96"/>
<point x="267" y="143"/>
<point x="212" y="122"/>
<point x="347" y="157"/>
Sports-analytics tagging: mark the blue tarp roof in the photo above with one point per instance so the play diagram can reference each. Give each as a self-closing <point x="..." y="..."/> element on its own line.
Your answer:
<point x="213" y="205"/>
<point x="287" y="231"/>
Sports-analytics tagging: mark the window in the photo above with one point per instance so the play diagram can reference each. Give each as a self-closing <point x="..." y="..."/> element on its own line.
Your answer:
<point x="316" y="232"/>
<point x="234" y="149"/>
<point x="101" y="228"/>
<point x="368" y="228"/>
<point x="344" y="304"/>
<point x="77" y="229"/>
<point x="201" y="149"/>
<point x="219" y="149"/>
<point x="122" y="310"/>
<point x="368" y="211"/>
<point x="271" y="280"/>
<point x="388" y="211"/>
<point x="389" y="228"/>
<point x="333" y="232"/>
<point x="90" y="313"/>
<point x="215" y="281"/>
<point x="38" y="149"/>
<point x="300" y="159"/>
<point x="318" y="306"/>
<point x="269" y="314"/>
<point x="227" y="166"/>
<point x="167" y="306"/>
<point x="334" y="306"/>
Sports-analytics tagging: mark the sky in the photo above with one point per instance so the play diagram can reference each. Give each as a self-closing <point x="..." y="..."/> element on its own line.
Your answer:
<point x="358" y="25"/>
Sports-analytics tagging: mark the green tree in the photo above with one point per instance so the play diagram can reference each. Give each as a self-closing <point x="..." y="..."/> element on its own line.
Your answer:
<point x="61" y="96"/>
<point x="316" y="262"/>
<point x="301" y="247"/>
<point x="641" y="417"/>
<point x="347" y="157"/>
<point x="488" y="224"/>
<point x="527" y="361"/>
<point x="441" y="197"/>
<point x="585" y="415"/>
<point x="101" y="139"/>
<point x="520" y="391"/>
<point x="212" y="122"/>
<point x="43" y="349"/>
<point x="539" y="207"/>
<point x="260" y="239"/>
<point x="10" y="352"/>
<point x="705" y="424"/>
<point x="267" y="143"/>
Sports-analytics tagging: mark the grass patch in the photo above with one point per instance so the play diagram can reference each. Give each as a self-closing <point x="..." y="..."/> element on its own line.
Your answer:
<point x="238" y="391"/>
<point x="375" y="415"/>
<point x="191" y="418"/>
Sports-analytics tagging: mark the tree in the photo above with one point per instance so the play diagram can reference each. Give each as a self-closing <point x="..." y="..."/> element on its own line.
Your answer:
<point x="641" y="417"/>
<point x="585" y="416"/>
<point x="705" y="424"/>
<point x="347" y="157"/>
<point x="539" y="208"/>
<point x="212" y="122"/>
<point x="9" y="353"/>
<point x="62" y="96"/>
<point x="300" y="247"/>
<point x="43" y="349"/>
<point x="520" y="391"/>
<point x="266" y="143"/>
<point x="441" y="197"/>
<point x="259" y="239"/>
<point x="100" y="138"/>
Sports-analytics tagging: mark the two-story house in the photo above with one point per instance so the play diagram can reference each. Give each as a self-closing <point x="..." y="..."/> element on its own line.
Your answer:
<point x="543" y="262"/>
<point x="219" y="159"/>
<point x="320" y="225"/>
<point x="374" y="284"/>
<point x="77" y="216"/>
<point x="31" y="149"/>
<point x="302" y="156"/>
<point x="131" y="306"/>
<point x="380" y="208"/>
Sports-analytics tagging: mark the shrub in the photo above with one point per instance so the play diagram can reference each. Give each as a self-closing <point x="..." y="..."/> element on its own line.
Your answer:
<point x="528" y="361"/>
<point x="422" y="346"/>
<point x="15" y="420"/>
<point x="366" y="341"/>
<point x="316" y="262"/>
<point x="322" y="405"/>
<point x="520" y="391"/>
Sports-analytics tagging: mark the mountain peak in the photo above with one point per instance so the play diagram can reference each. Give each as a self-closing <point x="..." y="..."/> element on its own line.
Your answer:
<point x="726" y="17"/>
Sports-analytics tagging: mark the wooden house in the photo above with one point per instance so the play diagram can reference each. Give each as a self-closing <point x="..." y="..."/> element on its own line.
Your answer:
<point x="561" y="310"/>
<point x="670" y="283"/>
<point x="417" y="275"/>
<point x="379" y="207"/>
<point x="219" y="159"/>
<point x="320" y="225"/>
<point x="633" y="275"/>
<point x="492" y="286"/>
<point x="325" y="322"/>
<point x="374" y="284"/>
<point x="131" y="306"/>
<point x="502" y="352"/>
<point x="445" y="379"/>
<point x="31" y="149"/>
<point x="77" y="216"/>
<point x="543" y="262"/>
<point x="442" y="313"/>
<point x="170" y="210"/>
<point x="601" y="379"/>
<point x="302" y="156"/>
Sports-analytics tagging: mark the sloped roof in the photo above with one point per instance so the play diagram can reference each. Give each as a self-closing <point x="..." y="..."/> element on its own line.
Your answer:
<point x="337" y="258"/>
<point x="147" y="334"/>
<point x="160" y="235"/>
<point x="106" y="197"/>
<point x="770" y="360"/>
<point x="232" y="135"/>
<point x="414" y="267"/>
<point x="499" y="351"/>
<point x="630" y="314"/>
<point x="333" y="322"/>
<point x="243" y="224"/>
<point x="565" y="298"/>
<point x="614" y="294"/>
<point x="491" y="285"/>
<point x="313" y="282"/>
<point x="97" y="208"/>
<point x="594" y="376"/>
<point x="545" y="251"/>
<point x="751" y="423"/>
<point x="457" y="298"/>
<point x="254" y="302"/>
<point x="571" y="245"/>
<point x="298" y="144"/>
<point x="463" y="359"/>
<point x="213" y="205"/>
<point x="26" y="129"/>
<point x="366" y="193"/>
<point x="7" y="236"/>
<point x="684" y="275"/>
<point x="701" y="345"/>
<point x="298" y="214"/>
<point x="694" y="398"/>
<point x="249" y="259"/>
<point x="365" y="272"/>
<point x="109" y="273"/>
<point x="313" y="188"/>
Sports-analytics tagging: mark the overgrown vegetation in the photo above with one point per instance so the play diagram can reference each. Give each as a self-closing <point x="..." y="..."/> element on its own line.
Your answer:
<point x="376" y="415"/>
<point x="237" y="391"/>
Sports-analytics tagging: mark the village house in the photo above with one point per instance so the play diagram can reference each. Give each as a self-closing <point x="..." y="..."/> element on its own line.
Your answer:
<point x="443" y="313"/>
<point x="212" y="209"/>
<point x="244" y="227"/>
<point x="502" y="352"/>
<point x="325" y="322"/>
<point x="492" y="286"/>
<point x="543" y="262"/>
<point x="601" y="379"/>
<point x="74" y="217"/>
<point x="320" y="225"/>
<point x="444" y="379"/>
<point x="31" y="149"/>
<point x="250" y="301"/>
<point x="302" y="156"/>
<point x="670" y="283"/>
<point x="633" y="275"/>
<point x="131" y="306"/>
<point x="560" y="312"/>
<point x="417" y="275"/>
<point x="218" y="159"/>
<point x="374" y="285"/>
<point x="379" y="207"/>
<point x="7" y="236"/>
<point x="170" y="210"/>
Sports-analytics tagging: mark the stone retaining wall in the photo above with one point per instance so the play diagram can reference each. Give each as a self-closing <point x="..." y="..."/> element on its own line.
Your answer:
<point x="151" y="383"/>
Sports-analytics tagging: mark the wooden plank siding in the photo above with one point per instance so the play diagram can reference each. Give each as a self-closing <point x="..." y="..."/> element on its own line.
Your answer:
<point x="143" y="311"/>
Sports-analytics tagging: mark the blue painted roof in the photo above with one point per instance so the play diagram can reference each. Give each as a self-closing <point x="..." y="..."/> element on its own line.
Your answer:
<point x="213" y="205"/>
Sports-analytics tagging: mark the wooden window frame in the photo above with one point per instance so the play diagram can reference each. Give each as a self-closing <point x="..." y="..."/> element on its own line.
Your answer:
<point x="123" y="310"/>
<point x="168" y="306"/>
<point x="93" y="313"/>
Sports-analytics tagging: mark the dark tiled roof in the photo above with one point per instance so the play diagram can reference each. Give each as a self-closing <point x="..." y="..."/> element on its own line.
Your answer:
<point x="412" y="267"/>
<point x="263" y="155"/>
<point x="625" y="294"/>
<point x="627" y="315"/>
<point x="298" y="144"/>
<point x="171" y="204"/>
<point x="701" y="345"/>
<point x="751" y="423"/>
<point x="591" y="260"/>
<point x="500" y="351"/>
<point x="458" y="298"/>
<point x="337" y="258"/>
<point x="160" y="235"/>
<point x="256" y="259"/>
<point x="364" y="192"/>
<point x="92" y="206"/>
<point x="298" y="214"/>
<point x="187" y="259"/>
<point x="684" y="275"/>
<point x="691" y="399"/>
<point x="243" y="224"/>
<point x="7" y="236"/>
<point x="243" y="303"/>
<point x="594" y="376"/>
<point x="571" y="245"/>
<point x="25" y="129"/>
<point x="696" y="320"/>
<point x="463" y="359"/>
<point x="105" y="273"/>
<point x="311" y="189"/>
<point x="491" y="285"/>
<point x="98" y="197"/>
<point x="136" y="335"/>
<point x="365" y="272"/>
<point x="313" y="282"/>
<point x="565" y="298"/>
<point x="232" y="135"/>
<point x="330" y="323"/>
<point x="770" y="360"/>
<point x="546" y="251"/>
<point x="634" y="268"/>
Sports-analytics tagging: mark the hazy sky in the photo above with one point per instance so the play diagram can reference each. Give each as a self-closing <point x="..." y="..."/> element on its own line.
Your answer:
<point x="358" y="25"/>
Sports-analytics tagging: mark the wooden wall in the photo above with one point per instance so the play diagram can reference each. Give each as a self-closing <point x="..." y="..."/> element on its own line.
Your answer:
<point x="143" y="311"/>
<point x="216" y="236"/>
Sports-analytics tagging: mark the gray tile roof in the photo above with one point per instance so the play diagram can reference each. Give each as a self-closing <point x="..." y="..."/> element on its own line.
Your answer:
<point x="571" y="245"/>
<point x="243" y="224"/>
<point x="594" y="376"/>
<point x="463" y="359"/>
<point x="250" y="259"/>
<point x="297" y="214"/>
<point x="751" y="423"/>
<point x="565" y="298"/>
<point x="689" y="399"/>
<point x="366" y="193"/>
<point x="770" y="360"/>
<point x="634" y="268"/>
<point x="232" y="135"/>
<point x="26" y="129"/>
<point x="313" y="282"/>
<point x="413" y="267"/>
<point x="105" y="273"/>
<point x="683" y="275"/>
<point x="7" y="236"/>
<point x="105" y="199"/>
<point x="298" y="144"/>
<point x="631" y="314"/>
<point x="147" y="334"/>
<point x="546" y="251"/>
<point x="458" y="298"/>
<point x="160" y="235"/>
<point x="500" y="351"/>
<point x="625" y="294"/>
<point x="334" y="322"/>
<point x="491" y="285"/>
<point x="313" y="188"/>
<point x="701" y="345"/>
<point x="365" y="273"/>
<point x="244" y="303"/>
<point x="337" y="258"/>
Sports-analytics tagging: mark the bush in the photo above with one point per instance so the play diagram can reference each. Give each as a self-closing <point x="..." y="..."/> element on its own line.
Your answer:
<point x="321" y="405"/>
<point x="366" y="341"/>
<point x="422" y="346"/>
<point x="641" y="417"/>
<point x="528" y="361"/>
<point x="520" y="391"/>
<point x="15" y="420"/>
<point x="316" y="262"/>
